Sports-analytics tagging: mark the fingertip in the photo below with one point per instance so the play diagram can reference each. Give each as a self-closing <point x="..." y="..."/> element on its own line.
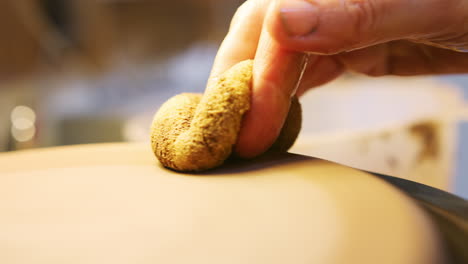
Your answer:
<point x="274" y="24"/>
<point x="293" y="25"/>
<point x="319" y="27"/>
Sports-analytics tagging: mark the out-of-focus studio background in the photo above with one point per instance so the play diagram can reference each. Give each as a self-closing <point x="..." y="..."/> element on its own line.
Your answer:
<point x="88" y="71"/>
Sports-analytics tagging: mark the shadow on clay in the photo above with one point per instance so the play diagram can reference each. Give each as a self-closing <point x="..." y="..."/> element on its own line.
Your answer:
<point x="236" y="165"/>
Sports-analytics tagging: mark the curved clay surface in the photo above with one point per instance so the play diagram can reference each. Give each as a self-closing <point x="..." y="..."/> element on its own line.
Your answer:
<point x="194" y="132"/>
<point x="111" y="203"/>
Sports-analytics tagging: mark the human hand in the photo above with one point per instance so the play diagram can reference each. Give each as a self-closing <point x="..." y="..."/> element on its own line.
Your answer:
<point x="314" y="41"/>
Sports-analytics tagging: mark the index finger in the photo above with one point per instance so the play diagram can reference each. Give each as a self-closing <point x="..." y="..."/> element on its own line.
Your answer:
<point x="242" y="39"/>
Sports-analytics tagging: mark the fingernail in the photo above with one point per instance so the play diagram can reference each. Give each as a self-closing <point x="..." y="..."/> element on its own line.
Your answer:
<point x="299" y="17"/>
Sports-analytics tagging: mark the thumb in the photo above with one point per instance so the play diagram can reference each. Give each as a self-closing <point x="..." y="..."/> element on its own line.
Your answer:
<point x="334" y="26"/>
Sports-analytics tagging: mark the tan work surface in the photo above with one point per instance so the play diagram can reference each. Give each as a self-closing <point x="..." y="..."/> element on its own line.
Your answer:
<point x="113" y="203"/>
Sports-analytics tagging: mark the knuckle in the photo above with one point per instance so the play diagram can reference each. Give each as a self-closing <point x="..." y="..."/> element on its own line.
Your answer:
<point x="358" y="20"/>
<point x="363" y="15"/>
<point x="449" y="29"/>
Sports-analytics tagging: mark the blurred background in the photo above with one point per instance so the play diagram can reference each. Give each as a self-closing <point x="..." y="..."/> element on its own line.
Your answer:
<point x="88" y="71"/>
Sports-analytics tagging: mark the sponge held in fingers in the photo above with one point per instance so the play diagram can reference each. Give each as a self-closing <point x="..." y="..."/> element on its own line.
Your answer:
<point x="194" y="132"/>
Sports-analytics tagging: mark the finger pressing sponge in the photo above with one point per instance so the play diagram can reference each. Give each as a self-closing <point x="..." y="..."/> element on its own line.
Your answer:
<point x="194" y="132"/>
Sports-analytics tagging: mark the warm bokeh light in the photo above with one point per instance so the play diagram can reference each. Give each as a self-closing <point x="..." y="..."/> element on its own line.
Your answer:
<point x="23" y="120"/>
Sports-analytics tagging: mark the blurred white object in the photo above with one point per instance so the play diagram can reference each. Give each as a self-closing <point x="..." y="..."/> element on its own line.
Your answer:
<point x="404" y="127"/>
<point x="23" y="121"/>
<point x="18" y="118"/>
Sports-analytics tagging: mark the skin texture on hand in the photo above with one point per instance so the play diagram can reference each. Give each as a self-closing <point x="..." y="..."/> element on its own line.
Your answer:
<point x="300" y="44"/>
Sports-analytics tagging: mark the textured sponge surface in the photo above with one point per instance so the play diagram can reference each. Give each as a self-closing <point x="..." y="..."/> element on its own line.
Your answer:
<point x="194" y="132"/>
